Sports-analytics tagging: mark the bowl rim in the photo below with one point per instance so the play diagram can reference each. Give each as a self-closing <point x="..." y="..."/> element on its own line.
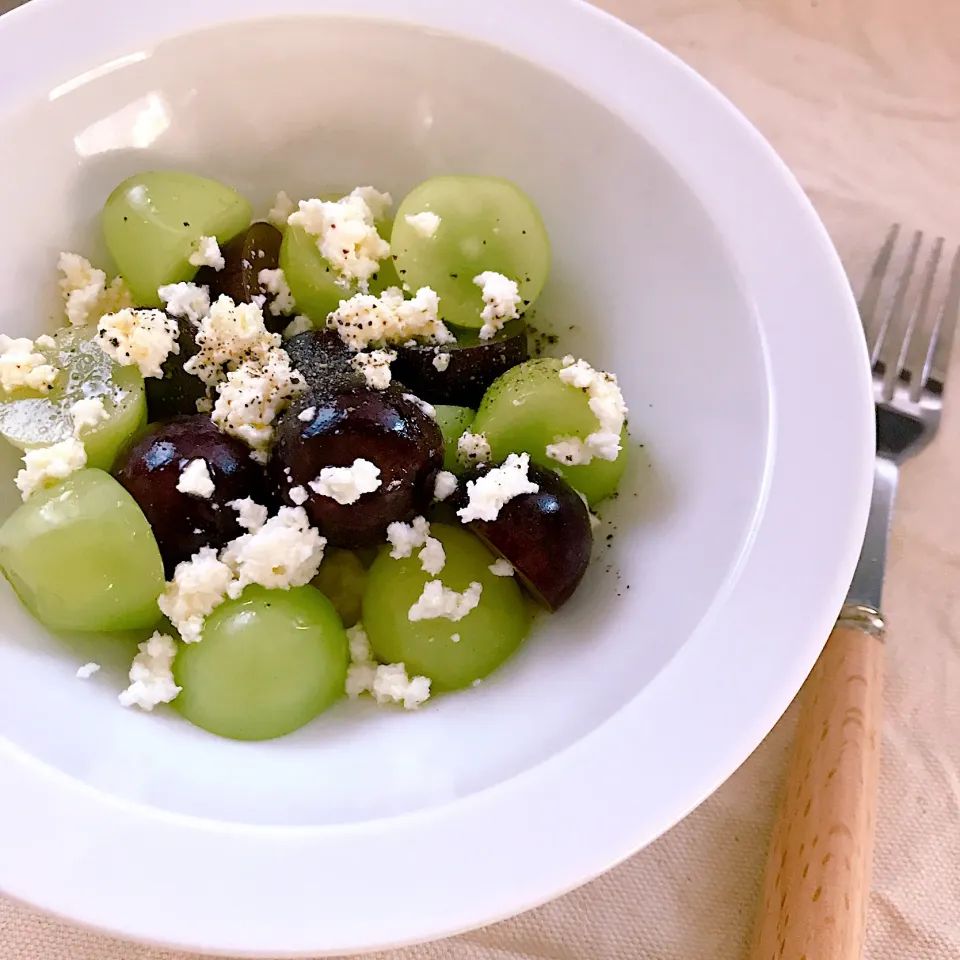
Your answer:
<point x="244" y="890"/>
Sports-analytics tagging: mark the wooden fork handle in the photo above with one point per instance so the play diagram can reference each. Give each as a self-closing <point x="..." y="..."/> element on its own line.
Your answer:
<point x="817" y="882"/>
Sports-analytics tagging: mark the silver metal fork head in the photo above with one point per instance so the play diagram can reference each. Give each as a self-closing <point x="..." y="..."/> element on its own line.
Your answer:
<point x="910" y="340"/>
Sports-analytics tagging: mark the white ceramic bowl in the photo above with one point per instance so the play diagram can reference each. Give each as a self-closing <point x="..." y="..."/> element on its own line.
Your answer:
<point x="686" y="259"/>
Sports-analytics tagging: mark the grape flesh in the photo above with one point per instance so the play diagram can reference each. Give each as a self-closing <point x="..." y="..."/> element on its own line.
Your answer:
<point x="453" y="422"/>
<point x="486" y="223"/>
<point x="266" y="664"/>
<point x="530" y="407"/>
<point x="485" y="637"/>
<point x="152" y="222"/>
<point x="29" y="419"/>
<point x="81" y="556"/>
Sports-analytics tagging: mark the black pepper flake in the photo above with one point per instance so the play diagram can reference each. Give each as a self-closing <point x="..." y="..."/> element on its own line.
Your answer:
<point x="186" y="223"/>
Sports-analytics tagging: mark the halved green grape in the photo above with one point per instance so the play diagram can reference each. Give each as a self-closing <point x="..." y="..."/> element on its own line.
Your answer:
<point x="452" y="421"/>
<point x="486" y="223"/>
<point x="341" y="579"/>
<point x="29" y="419"/>
<point x="530" y="407"/>
<point x="452" y="653"/>
<point x="152" y="223"/>
<point x="266" y="664"/>
<point x="81" y="556"/>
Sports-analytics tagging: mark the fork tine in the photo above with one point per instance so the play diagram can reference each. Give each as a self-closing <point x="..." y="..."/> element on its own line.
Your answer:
<point x="941" y="340"/>
<point x="871" y="291"/>
<point x="887" y="348"/>
<point x="916" y="348"/>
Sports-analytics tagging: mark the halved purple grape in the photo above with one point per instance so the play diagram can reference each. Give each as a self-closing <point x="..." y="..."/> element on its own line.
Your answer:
<point x="150" y="470"/>
<point x="347" y="421"/>
<point x="546" y="536"/>
<point x="175" y="393"/>
<point x="472" y="366"/>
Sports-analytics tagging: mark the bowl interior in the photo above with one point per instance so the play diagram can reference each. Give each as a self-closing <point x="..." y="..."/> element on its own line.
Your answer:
<point x="641" y="285"/>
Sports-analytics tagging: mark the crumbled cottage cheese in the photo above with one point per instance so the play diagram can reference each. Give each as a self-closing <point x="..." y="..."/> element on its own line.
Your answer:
<point x="45" y="466"/>
<point x="87" y="413"/>
<point x="285" y="552"/>
<point x="488" y="494"/>
<point x="297" y="325"/>
<point x="208" y="254"/>
<point x="375" y="367"/>
<point x="299" y="495"/>
<point x="86" y="293"/>
<point x="501" y="568"/>
<point x="186" y="300"/>
<point x="280" y="212"/>
<point x="274" y="282"/>
<point x="432" y="556"/>
<point x="388" y="683"/>
<point x="444" y="485"/>
<point x="440" y="601"/>
<point x="347" y="484"/>
<point x="307" y="414"/>
<point x="441" y="361"/>
<point x="195" y="479"/>
<point x="346" y="235"/>
<point x="87" y="671"/>
<point x="606" y="404"/>
<point x="250" y="515"/>
<point x="473" y="448"/>
<point x="428" y="408"/>
<point x="426" y="224"/>
<point x="21" y="366"/>
<point x="404" y="538"/>
<point x="141" y="338"/>
<point x="364" y="320"/>
<point x="502" y="297"/>
<point x="198" y="587"/>
<point x="151" y="674"/>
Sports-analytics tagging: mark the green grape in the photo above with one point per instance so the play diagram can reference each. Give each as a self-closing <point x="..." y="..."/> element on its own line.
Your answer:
<point x="488" y="634"/>
<point x="452" y="421"/>
<point x="529" y="407"/>
<point x="341" y="579"/>
<point x="81" y="556"/>
<point x="152" y="222"/>
<point x="266" y="664"/>
<point x="485" y="224"/>
<point x="29" y="419"/>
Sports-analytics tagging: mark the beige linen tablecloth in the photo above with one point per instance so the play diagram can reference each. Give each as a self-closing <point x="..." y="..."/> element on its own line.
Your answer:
<point x="862" y="99"/>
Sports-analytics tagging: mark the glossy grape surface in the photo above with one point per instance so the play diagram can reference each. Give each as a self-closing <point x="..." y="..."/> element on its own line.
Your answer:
<point x="453" y="422"/>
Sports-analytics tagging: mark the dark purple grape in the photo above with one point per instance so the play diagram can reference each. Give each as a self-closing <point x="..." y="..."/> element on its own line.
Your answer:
<point x="183" y="523"/>
<point x="473" y="365"/>
<point x="321" y="356"/>
<point x="349" y="421"/>
<point x="177" y="392"/>
<point x="545" y="535"/>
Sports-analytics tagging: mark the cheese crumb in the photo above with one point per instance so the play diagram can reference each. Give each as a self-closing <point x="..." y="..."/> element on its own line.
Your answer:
<point x="379" y="203"/>
<point x="428" y="408"/>
<point x="87" y="413"/>
<point x="140" y="338"/>
<point x="347" y="485"/>
<point x="46" y="342"/>
<point x="438" y="600"/>
<point x="46" y="466"/>
<point x="441" y="361"/>
<point x="87" y="671"/>
<point x="280" y="212"/>
<point x="473" y="448"/>
<point x="198" y="587"/>
<point x="299" y="495"/>
<point x="404" y="538"/>
<point x="425" y="224"/>
<point x="274" y="282"/>
<point x="86" y="293"/>
<point x="364" y="320"/>
<point x="432" y="556"/>
<point x="307" y="414"/>
<point x="195" y="479"/>
<point x="151" y="674"/>
<point x="208" y="254"/>
<point x="250" y="515"/>
<point x="501" y="568"/>
<point x="501" y="296"/>
<point x="21" y="366"/>
<point x="488" y="493"/>
<point x="285" y="552"/>
<point x="375" y="367"/>
<point x="186" y="300"/>
<point x="388" y="683"/>
<point x="444" y="485"/>
<point x="296" y="326"/>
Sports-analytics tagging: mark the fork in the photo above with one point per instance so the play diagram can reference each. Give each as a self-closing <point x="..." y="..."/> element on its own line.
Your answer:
<point x="816" y="887"/>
